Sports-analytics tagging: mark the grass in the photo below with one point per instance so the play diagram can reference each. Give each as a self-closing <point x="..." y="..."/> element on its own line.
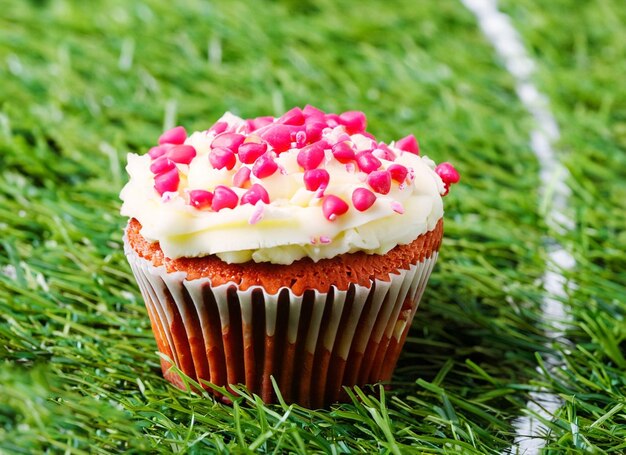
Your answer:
<point x="83" y="83"/>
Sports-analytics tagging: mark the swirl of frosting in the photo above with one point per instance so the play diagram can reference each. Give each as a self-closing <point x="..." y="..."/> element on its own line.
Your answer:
<point x="307" y="184"/>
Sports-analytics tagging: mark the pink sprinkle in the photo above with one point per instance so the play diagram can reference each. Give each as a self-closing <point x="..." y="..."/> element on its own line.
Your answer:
<point x="161" y="165"/>
<point x="409" y="144"/>
<point x="354" y="121"/>
<point x="314" y="129"/>
<point x="264" y="166"/>
<point x="334" y="206"/>
<point x="241" y="177"/>
<point x="221" y="157"/>
<point x="332" y="120"/>
<point x="230" y="141"/>
<point x="343" y="152"/>
<point x="255" y="194"/>
<point x="397" y="207"/>
<point x="324" y="239"/>
<point x="223" y="197"/>
<point x="398" y="172"/>
<point x="380" y="181"/>
<point x="176" y="135"/>
<point x="167" y="182"/>
<point x="311" y="112"/>
<point x="363" y="199"/>
<point x="293" y="116"/>
<point x="313" y="240"/>
<point x="315" y="179"/>
<point x="367" y="162"/>
<point x="279" y="136"/>
<point x="159" y="150"/>
<point x="300" y="139"/>
<point x="257" y="213"/>
<point x="250" y="151"/>
<point x="448" y="173"/>
<point x="218" y="128"/>
<point x="182" y="154"/>
<point x="200" y="198"/>
<point x="311" y="156"/>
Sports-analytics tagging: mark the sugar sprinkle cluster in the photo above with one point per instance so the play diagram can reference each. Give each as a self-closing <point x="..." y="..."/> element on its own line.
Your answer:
<point x="252" y="148"/>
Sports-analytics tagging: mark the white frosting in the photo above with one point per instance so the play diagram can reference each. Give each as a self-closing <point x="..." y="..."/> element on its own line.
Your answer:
<point x="292" y="224"/>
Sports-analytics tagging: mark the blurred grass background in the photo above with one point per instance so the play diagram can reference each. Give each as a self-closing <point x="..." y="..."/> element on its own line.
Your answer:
<point x="84" y="83"/>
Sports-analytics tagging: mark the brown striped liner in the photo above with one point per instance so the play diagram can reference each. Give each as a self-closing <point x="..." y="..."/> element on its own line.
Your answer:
<point x="312" y="344"/>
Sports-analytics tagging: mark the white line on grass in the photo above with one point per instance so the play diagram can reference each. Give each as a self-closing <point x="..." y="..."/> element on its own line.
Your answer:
<point x="499" y="30"/>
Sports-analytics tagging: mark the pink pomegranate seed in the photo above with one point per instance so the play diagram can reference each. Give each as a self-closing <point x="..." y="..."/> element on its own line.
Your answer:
<point x="176" y="135"/>
<point x="250" y="151"/>
<point x="325" y="240"/>
<point x="354" y="121"/>
<point x="219" y="128"/>
<point x="293" y="116"/>
<point x="230" y="141"/>
<point x="311" y="112"/>
<point x="380" y="181"/>
<point x="363" y="199"/>
<point x="168" y="181"/>
<point x="343" y="152"/>
<point x="159" y="150"/>
<point x="314" y="130"/>
<point x="161" y="165"/>
<point x="200" y="198"/>
<point x="333" y="206"/>
<point x="409" y="144"/>
<point x="383" y="152"/>
<point x="221" y="157"/>
<point x="342" y="138"/>
<point x="264" y="166"/>
<point x="315" y="179"/>
<point x="397" y="207"/>
<point x="369" y="135"/>
<point x="300" y="139"/>
<point x="241" y="177"/>
<point x="257" y="213"/>
<point x="332" y="120"/>
<point x="259" y="122"/>
<point x="182" y="154"/>
<point x="311" y="156"/>
<point x="367" y="162"/>
<point x="223" y="197"/>
<point x="279" y="137"/>
<point x="398" y="172"/>
<point x="254" y="194"/>
<point x="448" y="173"/>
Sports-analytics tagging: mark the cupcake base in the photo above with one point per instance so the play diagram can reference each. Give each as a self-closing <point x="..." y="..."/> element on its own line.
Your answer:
<point x="313" y="343"/>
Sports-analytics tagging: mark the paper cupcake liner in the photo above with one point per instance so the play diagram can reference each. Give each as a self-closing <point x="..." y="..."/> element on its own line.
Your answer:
<point x="312" y="344"/>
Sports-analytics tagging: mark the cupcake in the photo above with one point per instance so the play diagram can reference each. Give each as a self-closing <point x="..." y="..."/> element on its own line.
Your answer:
<point x="295" y="248"/>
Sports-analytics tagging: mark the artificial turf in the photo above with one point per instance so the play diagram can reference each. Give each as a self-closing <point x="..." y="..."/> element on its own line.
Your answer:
<point x="84" y="83"/>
